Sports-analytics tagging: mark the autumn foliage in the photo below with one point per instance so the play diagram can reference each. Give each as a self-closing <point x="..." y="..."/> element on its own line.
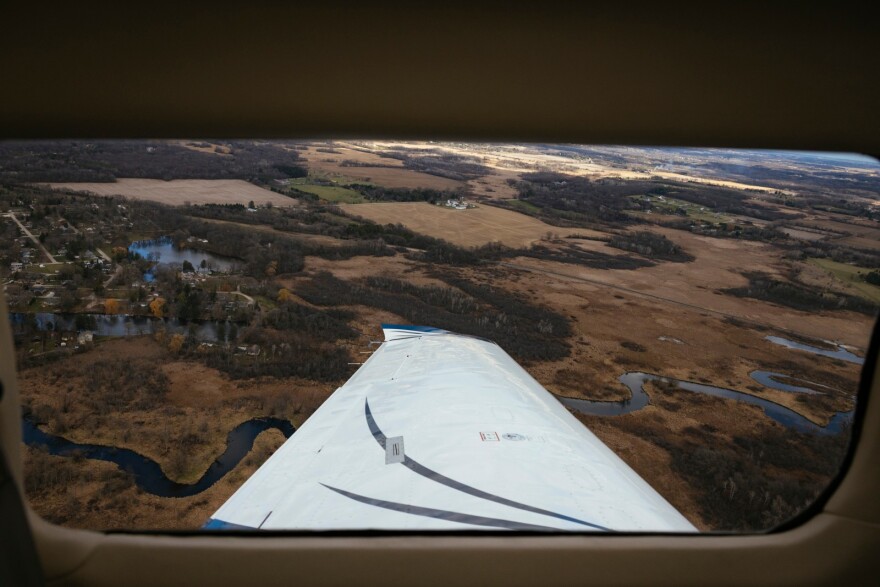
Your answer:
<point x="157" y="307"/>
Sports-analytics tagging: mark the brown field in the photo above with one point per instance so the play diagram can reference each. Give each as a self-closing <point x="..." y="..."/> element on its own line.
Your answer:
<point x="709" y="349"/>
<point x="717" y="266"/>
<point x="679" y="341"/>
<point x="317" y="239"/>
<point x="802" y="234"/>
<point x="857" y="233"/>
<point x="395" y="176"/>
<point x="180" y="191"/>
<point x="495" y="186"/>
<point x="355" y="268"/>
<point x="467" y="228"/>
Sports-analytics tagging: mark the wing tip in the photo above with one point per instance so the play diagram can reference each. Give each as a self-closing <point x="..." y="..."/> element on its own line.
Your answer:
<point x="398" y="331"/>
<point x="401" y="331"/>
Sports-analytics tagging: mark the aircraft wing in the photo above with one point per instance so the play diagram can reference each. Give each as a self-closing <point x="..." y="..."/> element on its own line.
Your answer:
<point x="441" y="431"/>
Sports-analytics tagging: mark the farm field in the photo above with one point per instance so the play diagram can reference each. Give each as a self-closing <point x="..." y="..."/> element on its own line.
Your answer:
<point x="330" y="193"/>
<point x="519" y="159"/>
<point x="391" y="174"/>
<point x="468" y="228"/>
<point x="181" y="191"/>
<point x="850" y="275"/>
<point x="717" y="266"/>
<point x="693" y="211"/>
<point x="854" y="234"/>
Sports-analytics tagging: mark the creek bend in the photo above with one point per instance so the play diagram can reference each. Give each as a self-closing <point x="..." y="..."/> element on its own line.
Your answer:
<point x="636" y="380"/>
<point x="147" y="473"/>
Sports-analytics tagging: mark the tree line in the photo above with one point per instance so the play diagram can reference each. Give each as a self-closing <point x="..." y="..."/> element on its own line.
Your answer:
<point x="527" y="331"/>
<point x="107" y="160"/>
<point x="784" y="293"/>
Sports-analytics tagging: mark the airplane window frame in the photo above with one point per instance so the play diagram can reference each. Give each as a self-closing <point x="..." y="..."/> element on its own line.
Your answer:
<point x="709" y="86"/>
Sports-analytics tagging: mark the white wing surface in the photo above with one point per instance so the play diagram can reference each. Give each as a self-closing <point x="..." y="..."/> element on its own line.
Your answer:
<point x="440" y="431"/>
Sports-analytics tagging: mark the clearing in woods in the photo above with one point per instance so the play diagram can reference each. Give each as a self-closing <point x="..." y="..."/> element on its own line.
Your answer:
<point x="468" y="228"/>
<point x="850" y="274"/>
<point x="329" y="193"/>
<point x="346" y="165"/>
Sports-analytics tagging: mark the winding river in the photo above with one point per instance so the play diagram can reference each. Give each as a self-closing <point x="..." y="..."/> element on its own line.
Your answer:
<point x="839" y="353"/>
<point x="635" y="381"/>
<point x="147" y="473"/>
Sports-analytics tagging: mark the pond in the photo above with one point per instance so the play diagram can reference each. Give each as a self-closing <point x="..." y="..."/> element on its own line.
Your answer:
<point x="163" y="251"/>
<point x="147" y="473"/>
<point x="123" y="325"/>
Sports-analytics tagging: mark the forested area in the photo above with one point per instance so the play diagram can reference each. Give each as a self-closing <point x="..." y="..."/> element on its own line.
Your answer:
<point x="567" y="200"/>
<point x="764" y="234"/>
<point x="435" y="162"/>
<point x="840" y="253"/>
<point x="376" y="193"/>
<point x="763" y="287"/>
<point x="573" y="255"/>
<point x="527" y="331"/>
<point x="651" y="245"/>
<point x="107" y="160"/>
<point x="284" y="353"/>
<point x="754" y="482"/>
<point x="719" y="199"/>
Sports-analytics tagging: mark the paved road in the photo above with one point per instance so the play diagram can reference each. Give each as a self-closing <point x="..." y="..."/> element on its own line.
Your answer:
<point x="37" y="242"/>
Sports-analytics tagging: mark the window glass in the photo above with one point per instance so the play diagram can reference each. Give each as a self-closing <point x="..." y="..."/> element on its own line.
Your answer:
<point x="182" y="308"/>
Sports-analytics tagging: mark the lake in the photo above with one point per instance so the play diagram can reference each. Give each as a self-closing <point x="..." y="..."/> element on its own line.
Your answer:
<point x="124" y="325"/>
<point x="163" y="251"/>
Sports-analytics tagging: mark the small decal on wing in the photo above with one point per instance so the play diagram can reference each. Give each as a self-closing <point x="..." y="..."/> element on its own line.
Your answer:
<point x="394" y="450"/>
<point x="489" y="436"/>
